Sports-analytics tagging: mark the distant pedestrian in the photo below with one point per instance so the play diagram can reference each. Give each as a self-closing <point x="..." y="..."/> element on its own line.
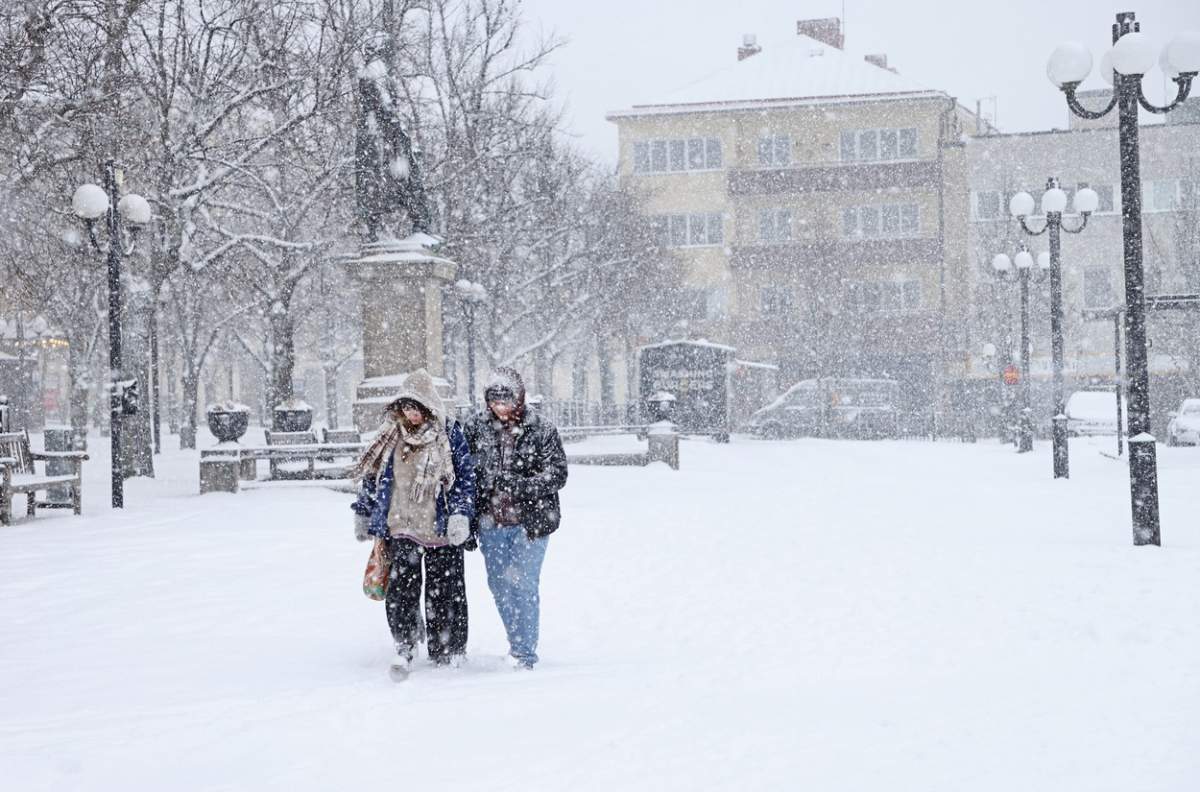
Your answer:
<point x="417" y="494"/>
<point x="520" y="467"/>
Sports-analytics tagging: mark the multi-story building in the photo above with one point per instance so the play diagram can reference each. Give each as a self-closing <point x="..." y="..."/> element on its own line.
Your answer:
<point x="1086" y="153"/>
<point x="819" y="200"/>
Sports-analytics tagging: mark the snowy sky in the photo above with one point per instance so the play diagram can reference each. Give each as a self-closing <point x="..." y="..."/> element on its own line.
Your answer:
<point x="625" y="52"/>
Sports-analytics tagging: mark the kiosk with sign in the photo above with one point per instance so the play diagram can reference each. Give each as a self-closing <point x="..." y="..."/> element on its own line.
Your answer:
<point x="696" y="373"/>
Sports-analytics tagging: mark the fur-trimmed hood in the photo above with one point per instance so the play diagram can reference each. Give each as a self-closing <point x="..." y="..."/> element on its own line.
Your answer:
<point x="419" y="387"/>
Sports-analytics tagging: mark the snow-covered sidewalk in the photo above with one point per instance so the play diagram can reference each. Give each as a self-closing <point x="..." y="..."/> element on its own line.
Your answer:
<point x="809" y="614"/>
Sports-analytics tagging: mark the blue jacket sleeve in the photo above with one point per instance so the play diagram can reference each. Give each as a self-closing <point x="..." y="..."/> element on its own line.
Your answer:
<point x="365" y="503"/>
<point x="461" y="498"/>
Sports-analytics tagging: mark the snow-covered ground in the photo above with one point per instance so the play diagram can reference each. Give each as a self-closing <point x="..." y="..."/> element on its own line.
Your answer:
<point x="794" y="615"/>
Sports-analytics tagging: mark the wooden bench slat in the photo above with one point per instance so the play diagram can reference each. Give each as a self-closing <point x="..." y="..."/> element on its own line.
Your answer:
<point x="18" y="475"/>
<point x="27" y="483"/>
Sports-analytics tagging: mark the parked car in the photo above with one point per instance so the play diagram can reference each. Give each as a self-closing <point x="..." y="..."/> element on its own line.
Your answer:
<point x="1093" y="413"/>
<point x="829" y="407"/>
<point x="1184" y="428"/>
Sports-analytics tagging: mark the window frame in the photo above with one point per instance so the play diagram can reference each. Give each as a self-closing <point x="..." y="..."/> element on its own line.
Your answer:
<point x="656" y="156"/>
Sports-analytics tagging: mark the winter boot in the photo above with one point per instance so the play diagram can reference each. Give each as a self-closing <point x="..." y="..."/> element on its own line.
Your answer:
<point x="400" y="666"/>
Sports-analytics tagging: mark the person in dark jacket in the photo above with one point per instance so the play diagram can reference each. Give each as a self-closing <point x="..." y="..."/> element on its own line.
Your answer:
<point x="520" y="467"/>
<point x="418" y="494"/>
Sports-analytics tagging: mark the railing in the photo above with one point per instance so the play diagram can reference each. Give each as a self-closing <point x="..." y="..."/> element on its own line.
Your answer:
<point x="569" y="413"/>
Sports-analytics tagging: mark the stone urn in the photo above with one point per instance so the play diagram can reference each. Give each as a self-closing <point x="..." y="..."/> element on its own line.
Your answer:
<point x="228" y="421"/>
<point x="292" y="415"/>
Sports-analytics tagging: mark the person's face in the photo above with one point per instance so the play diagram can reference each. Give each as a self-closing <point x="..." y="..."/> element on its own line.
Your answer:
<point x="411" y="413"/>
<point x="504" y="409"/>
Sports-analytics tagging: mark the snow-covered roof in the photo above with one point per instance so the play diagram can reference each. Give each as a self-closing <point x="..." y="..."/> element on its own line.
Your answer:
<point x="756" y="365"/>
<point x="702" y="342"/>
<point x="797" y="70"/>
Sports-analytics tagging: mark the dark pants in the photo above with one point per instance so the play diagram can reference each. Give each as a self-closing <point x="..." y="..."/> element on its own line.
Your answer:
<point x="445" y="598"/>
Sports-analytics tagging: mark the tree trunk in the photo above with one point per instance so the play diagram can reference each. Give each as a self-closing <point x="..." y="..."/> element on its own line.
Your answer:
<point x="153" y="399"/>
<point x="191" y="395"/>
<point x="543" y="373"/>
<point x="283" y="358"/>
<point x="331" y="396"/>
<point x="608" y="385"/>
<point x="137" y="431"/>
<point x="579" y="376"/>
<point x="78" y="379"/>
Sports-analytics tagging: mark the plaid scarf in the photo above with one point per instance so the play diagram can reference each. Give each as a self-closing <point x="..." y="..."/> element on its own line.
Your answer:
<point x="434" y="462"/>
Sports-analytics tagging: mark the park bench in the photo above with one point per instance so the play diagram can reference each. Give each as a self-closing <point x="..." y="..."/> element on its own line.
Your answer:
<point x="291" y="468"/>
<point x="18" y="475"/>
<point x="662" y="444"/>
<point x="223" y="466"/>
<point x="340" y="437"/>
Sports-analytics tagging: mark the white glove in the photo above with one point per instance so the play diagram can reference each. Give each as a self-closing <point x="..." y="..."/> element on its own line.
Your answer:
<point x="458" y="529"/>
<point x="361" y="523"/>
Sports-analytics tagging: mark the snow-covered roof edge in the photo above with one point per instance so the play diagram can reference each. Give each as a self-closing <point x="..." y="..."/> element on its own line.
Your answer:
<point x="768" y="104"/>
<point x="698" y="343"/>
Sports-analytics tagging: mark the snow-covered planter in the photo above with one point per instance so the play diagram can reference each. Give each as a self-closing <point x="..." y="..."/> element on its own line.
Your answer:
<point x="292" y="415"/>
<point x="228" y="421"/>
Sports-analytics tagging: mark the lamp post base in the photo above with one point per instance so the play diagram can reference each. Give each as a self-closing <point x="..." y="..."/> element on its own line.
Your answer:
<point x="1025" y="432"/>
<point x="1062" y="467"/>
<point x="1143" y="484"/>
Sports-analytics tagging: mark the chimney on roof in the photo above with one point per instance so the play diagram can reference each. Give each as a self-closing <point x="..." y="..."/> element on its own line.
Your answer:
<point x="880" y="61"/>
<point x="827" y="31"/>
<point x="749" y="47"/>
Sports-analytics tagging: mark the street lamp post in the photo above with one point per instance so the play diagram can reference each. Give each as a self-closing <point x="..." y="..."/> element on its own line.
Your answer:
<point x="90" y="202"/>
<point x="471" y="294"/>
<point x="1054" y="201"/>
<point x="1020" y="268"/>
<point x="1129" y="59"/>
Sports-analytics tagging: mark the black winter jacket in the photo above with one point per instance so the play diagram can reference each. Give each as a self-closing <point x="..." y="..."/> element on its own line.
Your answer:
<point x="538" y="470"/>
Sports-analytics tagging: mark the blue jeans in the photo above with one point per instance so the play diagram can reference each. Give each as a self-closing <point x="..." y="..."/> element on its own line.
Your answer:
<point x="514" y="565"/>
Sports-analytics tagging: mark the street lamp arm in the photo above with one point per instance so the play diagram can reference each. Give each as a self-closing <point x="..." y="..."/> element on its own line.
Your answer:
<point x="1184" y="81"/>
<point x="1080" y="110"/>
<point x="91" y="230"/>
<point x="127" y="250"/>
<point x="1025" y="227"/>
<point x="1082" y="224"/>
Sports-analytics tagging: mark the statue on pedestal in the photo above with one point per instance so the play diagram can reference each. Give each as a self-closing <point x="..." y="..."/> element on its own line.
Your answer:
<point x="400" y="281"/>
<point x="387" y="172"/>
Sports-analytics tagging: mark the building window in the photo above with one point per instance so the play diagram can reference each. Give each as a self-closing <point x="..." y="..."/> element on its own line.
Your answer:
<point x="712" y="148"/>
<point x="868" y="145"/>
<point x="774" y="301"/>
<point x="658" y="155"/>
<point x="883" y="297"/>
<point x="987" y="205"/>
<point x="678" y="150"/>
<point x="673" y="156"/>
<point x="1097" y="288"/>
<point x="878" y="145"/>
<point x="641" y="157"/>
<point x="775" y="151"/>
<point x="1160" y="195"/>
<point x="889" y="146"/>
<point x="689" y="230"/>
<point x="868" y="220"/>
<point x="774" y="225"/>
<point x="1105" y="192"/>
<point x="882" y="221"/>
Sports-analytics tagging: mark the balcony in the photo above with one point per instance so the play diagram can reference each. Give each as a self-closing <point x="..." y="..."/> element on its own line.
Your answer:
<point x="838" y="253"/>
<point x="835" y="177"/>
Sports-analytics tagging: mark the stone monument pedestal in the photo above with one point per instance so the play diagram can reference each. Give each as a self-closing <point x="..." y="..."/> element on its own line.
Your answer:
<point x="400" y="288"/>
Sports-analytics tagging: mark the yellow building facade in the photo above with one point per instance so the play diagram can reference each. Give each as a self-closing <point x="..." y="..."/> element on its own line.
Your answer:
<point x="820" y="203"/>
